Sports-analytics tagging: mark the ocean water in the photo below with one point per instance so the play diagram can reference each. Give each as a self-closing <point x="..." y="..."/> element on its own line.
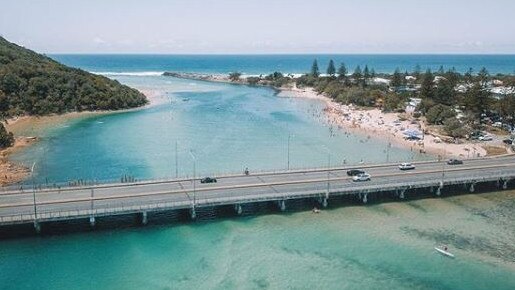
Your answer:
<point x="228" y="127"/>
<point x="265" y="64"/>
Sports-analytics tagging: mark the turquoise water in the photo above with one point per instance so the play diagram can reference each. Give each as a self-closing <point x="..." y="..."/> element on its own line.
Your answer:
<point x="226" y="127"/>
<point x="387" y="246"/>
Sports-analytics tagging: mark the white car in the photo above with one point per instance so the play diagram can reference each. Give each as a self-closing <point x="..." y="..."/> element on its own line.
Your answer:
<point x="361" y="177"/>
<point x="406" y="166"/>
<point x="486" y="138"/>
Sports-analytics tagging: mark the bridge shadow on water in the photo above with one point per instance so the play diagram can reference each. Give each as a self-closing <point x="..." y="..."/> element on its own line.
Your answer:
<point x="224" y="212"/>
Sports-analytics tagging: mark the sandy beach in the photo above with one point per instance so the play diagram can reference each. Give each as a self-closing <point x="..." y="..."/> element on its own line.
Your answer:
<point x="376" y="124"/>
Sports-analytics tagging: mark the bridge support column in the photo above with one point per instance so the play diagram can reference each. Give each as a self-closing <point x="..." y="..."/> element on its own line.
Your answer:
<point x="37" y="227"/>
<point x="92" y="221"/>
<point x="324" y="202"/>
<point x="472" y="189"/>
<point x="505" y="184"/>
<point x="238" y="209"/>
<point x="438" y="191"/>
<point x="282" y="205"/>
<point x="144" y="218"/>
<point x="193" y="213"/>
<point x="401" y="194"/>
<point x="365" y="198"/>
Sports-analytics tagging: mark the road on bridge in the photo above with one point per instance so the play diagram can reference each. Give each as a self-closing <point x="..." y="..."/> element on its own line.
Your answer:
<point x="254" y="185"/>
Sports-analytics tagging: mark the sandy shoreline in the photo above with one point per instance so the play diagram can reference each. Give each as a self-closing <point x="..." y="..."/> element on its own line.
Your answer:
<point x="376" y="124"/>
<point x="371" y="122"/>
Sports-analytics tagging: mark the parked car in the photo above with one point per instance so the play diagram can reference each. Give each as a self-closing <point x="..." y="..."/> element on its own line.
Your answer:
<point x="406" y="166"/>
<point x="507" y="141"/>
<point x="485" y="138"/>
<point x="361" y="177"/>
<point x="454" y="162"/>
<point x="354" y="172"/>
<point x="208" y="180"/>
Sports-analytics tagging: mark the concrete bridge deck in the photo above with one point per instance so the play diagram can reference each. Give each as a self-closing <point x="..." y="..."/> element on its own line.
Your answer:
<point x="38" y="206"/>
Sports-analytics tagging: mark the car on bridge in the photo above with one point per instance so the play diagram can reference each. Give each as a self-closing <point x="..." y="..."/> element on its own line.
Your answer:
<point x="406" y="166"/>
<point x="361" y="177"/>
<point x="208" y="180"/>
<point x="354" y="172"/>
<point x="454" y="162"/>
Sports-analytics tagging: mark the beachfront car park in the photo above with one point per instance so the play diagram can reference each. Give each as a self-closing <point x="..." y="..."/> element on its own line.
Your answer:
<point x="406" y="166"/>
<point x="361" y="177"/>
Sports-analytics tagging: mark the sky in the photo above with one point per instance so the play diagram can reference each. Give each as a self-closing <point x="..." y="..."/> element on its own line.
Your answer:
<point x="260" y="26"/>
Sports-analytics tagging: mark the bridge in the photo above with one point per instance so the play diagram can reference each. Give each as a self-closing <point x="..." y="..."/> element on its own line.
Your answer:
<point x="39" y="206"/>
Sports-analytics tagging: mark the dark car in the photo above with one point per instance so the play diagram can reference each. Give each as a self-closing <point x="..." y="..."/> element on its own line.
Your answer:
<point x="454" y="162"/>
<point x="354" y="172"/>
<point x="507" y="141"/>
<point x="208" y="180"/>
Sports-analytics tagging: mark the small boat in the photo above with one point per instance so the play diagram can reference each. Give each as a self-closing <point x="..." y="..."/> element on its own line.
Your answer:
<point x="444" y="252"/>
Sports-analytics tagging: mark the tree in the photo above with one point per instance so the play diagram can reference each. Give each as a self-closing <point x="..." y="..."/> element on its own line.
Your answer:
<point x="331" y="70"/>
<point x="234" y="76"/>
<point x="342" y="74"/>
<point x="483" y="76"/>
<point x="427" y="88"/>
<point x="454" y="128"/>
<point x="441" y="71"/>
<point x="314" y="69"/>
<point x="477" y="100"/>
<point x="6" y="138"/>
<point x="396" y="79"/>
<point x="393" y="102"/>
<point x="438" y="113"/>
<point x="366" y="75"/>
<point x="357" y="75"/>
<point x="444" y="93"/>
<point x="416" y="71"/>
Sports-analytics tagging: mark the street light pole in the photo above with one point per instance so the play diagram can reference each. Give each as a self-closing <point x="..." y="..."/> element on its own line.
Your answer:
<point x="176" y="162"/>
<point x="328" y="171"/>
<point x="34" y="191"/>
<point x="194" y="174"/>
<point x="289" y="136"/>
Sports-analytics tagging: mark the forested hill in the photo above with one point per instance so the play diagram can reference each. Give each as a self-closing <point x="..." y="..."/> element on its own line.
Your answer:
<point x="31" y="83"/>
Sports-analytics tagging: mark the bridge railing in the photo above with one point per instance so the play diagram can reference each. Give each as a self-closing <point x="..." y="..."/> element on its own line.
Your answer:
<point x="167" y="201"/>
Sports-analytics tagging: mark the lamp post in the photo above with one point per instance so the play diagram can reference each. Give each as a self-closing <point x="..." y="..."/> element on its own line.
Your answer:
<point x="34" y="191"/>
<point x="194" y="173"/>
<point x="289" y="140"/>
<point x="176" y="161"/>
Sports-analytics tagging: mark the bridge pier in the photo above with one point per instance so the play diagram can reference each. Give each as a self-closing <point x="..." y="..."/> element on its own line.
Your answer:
<point x="37" y="227"/>
<point x="472" y="189"/>
<point x="144" y="218"/>
<point x="193" y="213"/>
<point x="401" y="194"/>
<point x="92" y="221"/>
<point x="238" y="209"/>
<point x="365" y="198"/>
<point x="324" y="202"/>
<point x="282" y="205"/>
<point x="505" y="184"/>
